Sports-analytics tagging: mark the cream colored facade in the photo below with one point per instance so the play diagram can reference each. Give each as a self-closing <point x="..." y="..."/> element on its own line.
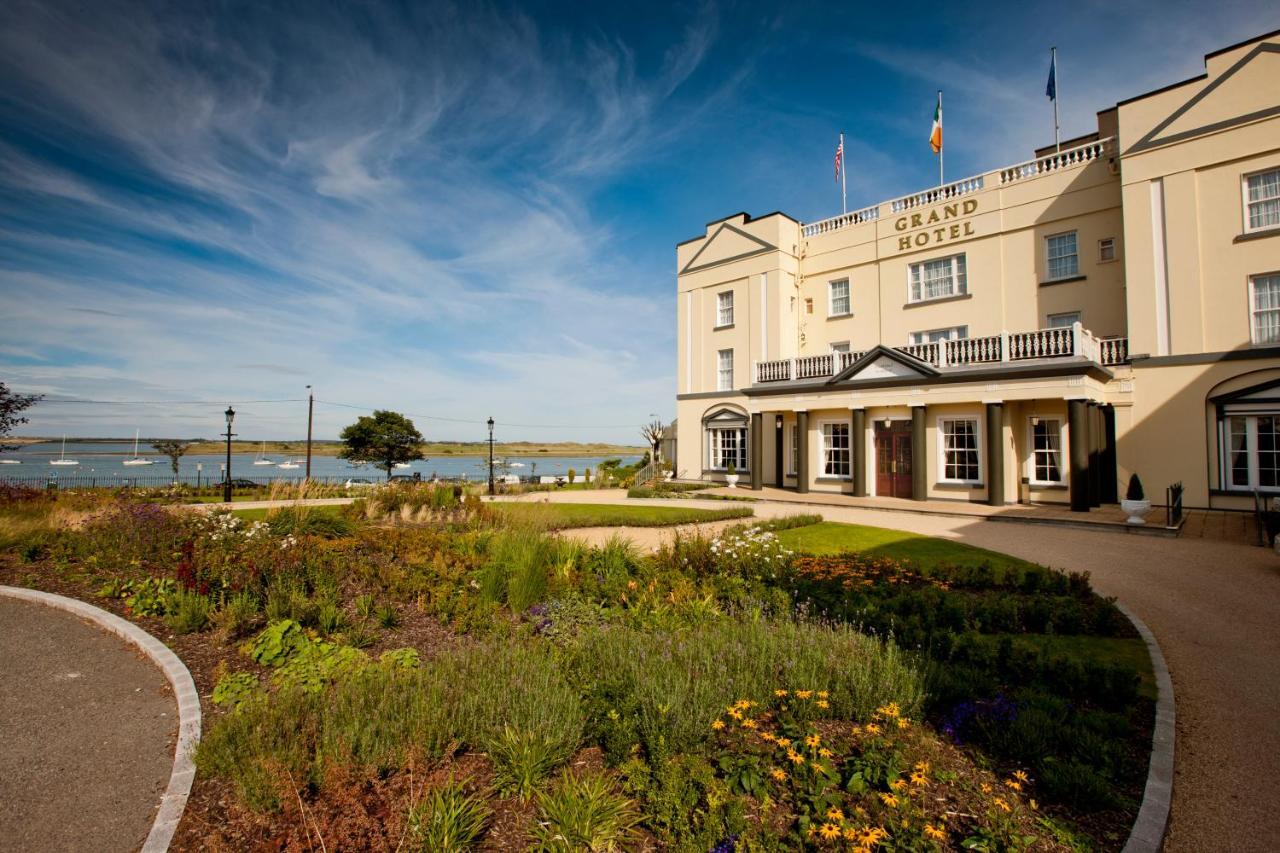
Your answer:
<point x="1034" y="333"/>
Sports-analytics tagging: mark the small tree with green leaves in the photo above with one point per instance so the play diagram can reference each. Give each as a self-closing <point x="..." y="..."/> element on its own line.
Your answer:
<point x="174" y="449"/>
<point x="383" y="438"/>
<point x="12" y="404"/>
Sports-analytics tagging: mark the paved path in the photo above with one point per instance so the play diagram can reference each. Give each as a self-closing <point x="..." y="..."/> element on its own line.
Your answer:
<point x="1215" y="609"/>
<point x="87" y="730"/>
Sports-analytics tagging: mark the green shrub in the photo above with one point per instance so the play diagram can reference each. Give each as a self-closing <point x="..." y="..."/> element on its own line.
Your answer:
<point x="330" y="619"/>
<point x="235" y="688"/>
<point x="583" y="813"/>
<point x="188" y="612"/>
<point x="448" y="820"/>
<point x="317" y="664"/>
<point x="237" y="615"/>
<point x="277" y="643"/>
<point x="150" y="596"/>
<point x="406" y="658"/>
<point x="366" y="606"/>
<point x="305" y="521"/>
<point x="523" y="758"/>
<point x="388" y="616"/>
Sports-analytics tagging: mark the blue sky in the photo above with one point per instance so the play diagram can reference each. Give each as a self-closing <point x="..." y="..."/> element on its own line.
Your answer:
<point x="464" y="210"/>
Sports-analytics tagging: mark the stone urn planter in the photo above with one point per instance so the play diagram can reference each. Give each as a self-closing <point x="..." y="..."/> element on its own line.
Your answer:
<point x="731" y="478"/>
<point x="1135" y="503"/>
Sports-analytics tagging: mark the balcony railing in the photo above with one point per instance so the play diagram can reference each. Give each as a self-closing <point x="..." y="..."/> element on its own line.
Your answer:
<point x="1072" y="158"/>
<point x="1065" y="342"/>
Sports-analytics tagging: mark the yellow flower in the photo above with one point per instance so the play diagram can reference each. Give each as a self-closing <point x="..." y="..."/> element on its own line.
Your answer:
<point x="1033" y="805"/>
<point x="835" y="814"/>
<point x="1002" y="804"/>
<point x="795" y="757"/>
<point x="986" y="789"/>
<point x="735" y="713"/>
<point x="872" y="729"/>
<point x="748" y="723"/>
<point x="804" y="694"/>
<point x="769" y="736"/>
<point x="779" y="774"/>
<point x="890" y="710"/>
<point x="812" y="741"/>
<point x="903" y="722"/>
<point x="1021" y="776"/>
<point x="825" y="753"/>
<point x="934" y="832"/>
<point x="918" y="779"/>
<point x="780" y="693"/>
<point x="889" y="800"/>
<point x="718" y="725"/>
<point x="1013" y="783"/>
<point x="823" y="704"/>
<point x="898" y="784"/>
<point x="829" y="831"/>
<point x="822" y="694"/>
<point x="850" y="833"/>
<point x="922" y="766"/>
<point x="784" y="742"/>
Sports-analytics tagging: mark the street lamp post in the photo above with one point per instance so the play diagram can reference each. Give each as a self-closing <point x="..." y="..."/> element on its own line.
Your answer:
<point x="491" y="457"/>
<point x="226" y="483"/>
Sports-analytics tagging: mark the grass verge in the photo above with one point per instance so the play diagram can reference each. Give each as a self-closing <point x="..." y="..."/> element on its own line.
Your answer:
<point x="560" y="516"/>
<point x="927" y="552"/>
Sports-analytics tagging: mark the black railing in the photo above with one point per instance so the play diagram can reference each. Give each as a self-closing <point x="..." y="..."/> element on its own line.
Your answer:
<point x="1173" y="505"/>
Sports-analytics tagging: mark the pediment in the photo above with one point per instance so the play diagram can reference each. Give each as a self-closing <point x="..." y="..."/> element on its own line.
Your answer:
<point x="725" y="417"/>
<point x="1241" y="94"/>
<point x="881" y="362"/>
<point x="727" y="243"/>
<point x="1262" y="393"/>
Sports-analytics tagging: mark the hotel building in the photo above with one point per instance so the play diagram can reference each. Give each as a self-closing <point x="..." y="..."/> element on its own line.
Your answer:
<point x="1034" y="333"/>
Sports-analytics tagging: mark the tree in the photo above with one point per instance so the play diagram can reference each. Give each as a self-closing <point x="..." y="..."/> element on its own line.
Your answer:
<point x="652" y="433"/>
<point x="12" y="404"/>
<point x="384" y="438"/>
<point x="174" y="449"/>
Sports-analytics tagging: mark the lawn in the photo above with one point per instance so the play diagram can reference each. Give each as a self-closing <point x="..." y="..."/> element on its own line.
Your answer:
<point x="559" y="516"/>
<point x="262" y="513"/>
<point x="927" y="552"/>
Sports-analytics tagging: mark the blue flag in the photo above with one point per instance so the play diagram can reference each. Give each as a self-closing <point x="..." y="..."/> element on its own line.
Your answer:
<point x="1051" y="89"/>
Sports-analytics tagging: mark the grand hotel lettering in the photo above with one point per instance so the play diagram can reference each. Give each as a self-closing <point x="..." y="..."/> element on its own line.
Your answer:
<point x="933" y="236"/>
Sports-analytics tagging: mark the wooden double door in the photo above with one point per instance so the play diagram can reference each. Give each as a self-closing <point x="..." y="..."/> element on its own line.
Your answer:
<point x="893" y="459"/>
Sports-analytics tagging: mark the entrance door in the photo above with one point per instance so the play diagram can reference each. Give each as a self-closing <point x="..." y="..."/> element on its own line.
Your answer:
<point x="893" y="459"/>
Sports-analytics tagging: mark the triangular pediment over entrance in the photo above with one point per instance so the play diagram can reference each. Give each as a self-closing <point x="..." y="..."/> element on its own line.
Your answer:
<point x="881" y="362"/>
<point x="726" y="244"/>
<point x="1242" y="93"/>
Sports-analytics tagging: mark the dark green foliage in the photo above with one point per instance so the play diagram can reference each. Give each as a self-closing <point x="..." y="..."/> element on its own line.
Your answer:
<point x="383" y="438"/>
<point x="1134" y="492"/>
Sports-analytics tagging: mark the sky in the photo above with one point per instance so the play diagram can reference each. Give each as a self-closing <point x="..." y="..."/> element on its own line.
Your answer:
<point x="462" y="211"/>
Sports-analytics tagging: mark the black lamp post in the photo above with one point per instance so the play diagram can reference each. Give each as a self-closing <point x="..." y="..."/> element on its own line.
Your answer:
<point x="226" y="484"/>
<point x="490" y="457"/>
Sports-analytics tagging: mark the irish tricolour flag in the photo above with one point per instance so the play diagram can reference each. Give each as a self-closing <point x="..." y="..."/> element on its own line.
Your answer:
<point x="935" y="135"/>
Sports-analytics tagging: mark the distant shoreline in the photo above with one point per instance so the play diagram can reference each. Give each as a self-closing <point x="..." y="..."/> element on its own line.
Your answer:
<point x="332" y="448"/>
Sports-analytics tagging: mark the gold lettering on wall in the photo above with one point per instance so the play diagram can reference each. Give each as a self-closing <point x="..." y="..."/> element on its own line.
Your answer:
<point x="932" y="236"/>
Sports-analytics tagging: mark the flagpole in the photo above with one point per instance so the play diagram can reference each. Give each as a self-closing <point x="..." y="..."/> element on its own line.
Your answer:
<point x="844" y="203"/>
<point x="1053" y="63"/>
<point x="941" y="180"/>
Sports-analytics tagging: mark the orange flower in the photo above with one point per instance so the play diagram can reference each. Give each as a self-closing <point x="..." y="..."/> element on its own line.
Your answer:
<point x="779" y="774"/>
<point x="795" y="757"/>
<point x="1002" y="804"/>
<point x="812" y="741"/>
<point x="889" y="800"/>
<point x="825" y="753"/>
<point x="919" y="779"/>
<point x="829" y="831"/>
<point x="784" y="742"/>
<point x="748" y="723"/>
<point x="718" y="725"/>
<point x="934" y="833"/>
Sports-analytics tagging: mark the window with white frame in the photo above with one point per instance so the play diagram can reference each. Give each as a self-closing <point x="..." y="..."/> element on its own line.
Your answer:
<point x="838" y="298"/>
<point x="727" y="446"/>
<point x="933" y="336"/>
<point x="1251" y="445"/>
<point x="1064" y="320"/>
<point x="835" y="450"/>
<point x="937" y="279"/>
<point x="1262" y="200"/>
<point x="1063" y="259"/>
<point x="1264" y="301"/>
<point x="795" y="449"/>
<point x="1107" y="249"/>
<point x="724" y="309"/>
<point x="1046" y="451"/>
<point x="840" y="346"/>
<point x="961" y="458"/>
<point x="724" y="370"/>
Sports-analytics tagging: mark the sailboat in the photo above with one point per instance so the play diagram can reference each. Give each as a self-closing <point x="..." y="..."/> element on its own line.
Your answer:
<point x="10" y="461"/>
<point x="63" y="460"/>
<point x="402" y="465"/>
<point x="263" y="460"/>
<point x="291" y="465"/>
<point x="138" y="460"/>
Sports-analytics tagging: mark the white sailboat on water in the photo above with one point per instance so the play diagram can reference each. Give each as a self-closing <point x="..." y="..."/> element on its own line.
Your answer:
<point x="63" y="460"/>
<point x="138" y="460"/>
<point x="262" y="459"/>
<point x="291" y="465"/>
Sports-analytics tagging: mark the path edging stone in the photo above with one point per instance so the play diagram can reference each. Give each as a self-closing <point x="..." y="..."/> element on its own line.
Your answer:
<point x="1147" y="834"/>
<point x="174" y="799"/>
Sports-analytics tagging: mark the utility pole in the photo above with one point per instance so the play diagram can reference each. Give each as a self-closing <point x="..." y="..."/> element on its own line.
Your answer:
<point x="490" y="457"/>
<point x="311" y="406"/>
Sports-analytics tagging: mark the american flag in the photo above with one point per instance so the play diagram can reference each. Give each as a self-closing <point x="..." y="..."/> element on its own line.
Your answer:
<point x="839" y="156"/>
